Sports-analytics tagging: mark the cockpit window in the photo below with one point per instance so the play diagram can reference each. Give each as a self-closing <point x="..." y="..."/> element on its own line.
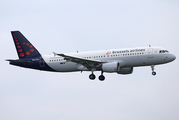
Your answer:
<point x="163" y="51"/>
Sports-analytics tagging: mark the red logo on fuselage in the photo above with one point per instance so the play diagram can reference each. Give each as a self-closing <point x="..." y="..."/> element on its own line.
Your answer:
<point x="109" y="52"/>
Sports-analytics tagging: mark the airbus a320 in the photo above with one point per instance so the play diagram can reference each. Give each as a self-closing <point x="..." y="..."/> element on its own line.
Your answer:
<point x="120" y="61"/>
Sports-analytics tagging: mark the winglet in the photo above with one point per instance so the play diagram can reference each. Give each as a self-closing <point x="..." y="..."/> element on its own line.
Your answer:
<point x="54" y="53"/>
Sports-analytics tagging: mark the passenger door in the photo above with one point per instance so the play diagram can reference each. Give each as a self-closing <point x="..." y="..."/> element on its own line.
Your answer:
<point x="150" y="53"/>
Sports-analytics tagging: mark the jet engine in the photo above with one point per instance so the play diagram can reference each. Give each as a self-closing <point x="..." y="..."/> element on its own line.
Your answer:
<point x="125" y="70"/>
<point x="111" y="67"/>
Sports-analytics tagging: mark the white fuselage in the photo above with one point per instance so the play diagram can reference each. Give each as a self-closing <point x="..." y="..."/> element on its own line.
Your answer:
<point x="130" y="57"/>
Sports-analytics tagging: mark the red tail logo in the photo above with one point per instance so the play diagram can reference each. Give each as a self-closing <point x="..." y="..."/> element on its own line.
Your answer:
<point x="19" y="47"/>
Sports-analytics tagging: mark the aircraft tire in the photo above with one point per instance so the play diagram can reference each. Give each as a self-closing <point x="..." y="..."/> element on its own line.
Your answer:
<point x="101" y="78"/>
<point x="92" y="76"/>
<point x="153" y="73"/>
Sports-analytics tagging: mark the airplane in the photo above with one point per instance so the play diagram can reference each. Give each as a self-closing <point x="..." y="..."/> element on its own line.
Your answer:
<point x="120" y="61"/>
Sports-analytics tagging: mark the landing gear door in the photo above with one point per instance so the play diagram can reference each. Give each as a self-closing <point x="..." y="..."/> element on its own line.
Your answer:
<point x="150" y="53"/>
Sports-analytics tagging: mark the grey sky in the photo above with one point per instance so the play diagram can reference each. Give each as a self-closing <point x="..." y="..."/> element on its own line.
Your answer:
<point x="66" y="26"/>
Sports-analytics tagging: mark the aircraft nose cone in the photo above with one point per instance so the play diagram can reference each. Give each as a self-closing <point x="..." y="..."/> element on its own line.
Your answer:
<point x="172" y="57"/>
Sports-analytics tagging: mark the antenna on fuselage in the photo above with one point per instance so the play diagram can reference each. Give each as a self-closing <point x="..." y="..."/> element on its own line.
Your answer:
<point x="149" y="45"/>
<point x="77" y="51"/>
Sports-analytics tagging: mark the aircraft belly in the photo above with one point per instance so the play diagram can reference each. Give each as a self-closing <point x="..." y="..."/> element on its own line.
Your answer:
<point x="144" y="60"/>
<point x="132" y="61"/>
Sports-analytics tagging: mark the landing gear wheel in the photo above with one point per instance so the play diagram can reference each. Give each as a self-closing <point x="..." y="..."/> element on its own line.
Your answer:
<point x="101" y="77"/>
<point x="92" y="76"/>
<point x="153" y="73"/>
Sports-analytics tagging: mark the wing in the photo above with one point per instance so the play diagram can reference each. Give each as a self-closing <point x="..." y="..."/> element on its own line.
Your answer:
<point x="88" y="63"/>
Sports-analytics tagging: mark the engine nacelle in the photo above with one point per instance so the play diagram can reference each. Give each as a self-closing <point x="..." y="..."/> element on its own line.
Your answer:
<point x="126" y="70"/>
<point x="111" y="67"/>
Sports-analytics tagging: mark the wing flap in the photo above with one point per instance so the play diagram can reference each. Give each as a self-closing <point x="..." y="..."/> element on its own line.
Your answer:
<point x="67" y="57"/>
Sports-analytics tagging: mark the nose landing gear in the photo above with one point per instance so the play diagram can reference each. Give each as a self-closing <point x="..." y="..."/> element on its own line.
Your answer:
<point x="153" y="72"/>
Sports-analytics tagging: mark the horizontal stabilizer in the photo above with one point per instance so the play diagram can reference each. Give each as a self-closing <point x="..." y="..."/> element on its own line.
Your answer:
<point x="17" y="61"/>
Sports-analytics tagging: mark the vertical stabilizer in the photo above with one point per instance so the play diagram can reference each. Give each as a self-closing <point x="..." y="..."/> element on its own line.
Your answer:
<point x="24" y="48"/>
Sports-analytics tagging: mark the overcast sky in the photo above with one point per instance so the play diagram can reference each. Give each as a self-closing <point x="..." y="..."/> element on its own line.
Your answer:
<point x="64" y="26"/>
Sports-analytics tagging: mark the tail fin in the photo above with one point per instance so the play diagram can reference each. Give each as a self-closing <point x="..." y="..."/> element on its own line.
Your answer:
<point x="24" y="48"/>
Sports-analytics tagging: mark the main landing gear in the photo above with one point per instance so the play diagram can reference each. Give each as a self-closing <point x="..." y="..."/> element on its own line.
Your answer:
<point x="92" y="76"/>
<point x="153" y="72"/>
<point x="101" y="77"/>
